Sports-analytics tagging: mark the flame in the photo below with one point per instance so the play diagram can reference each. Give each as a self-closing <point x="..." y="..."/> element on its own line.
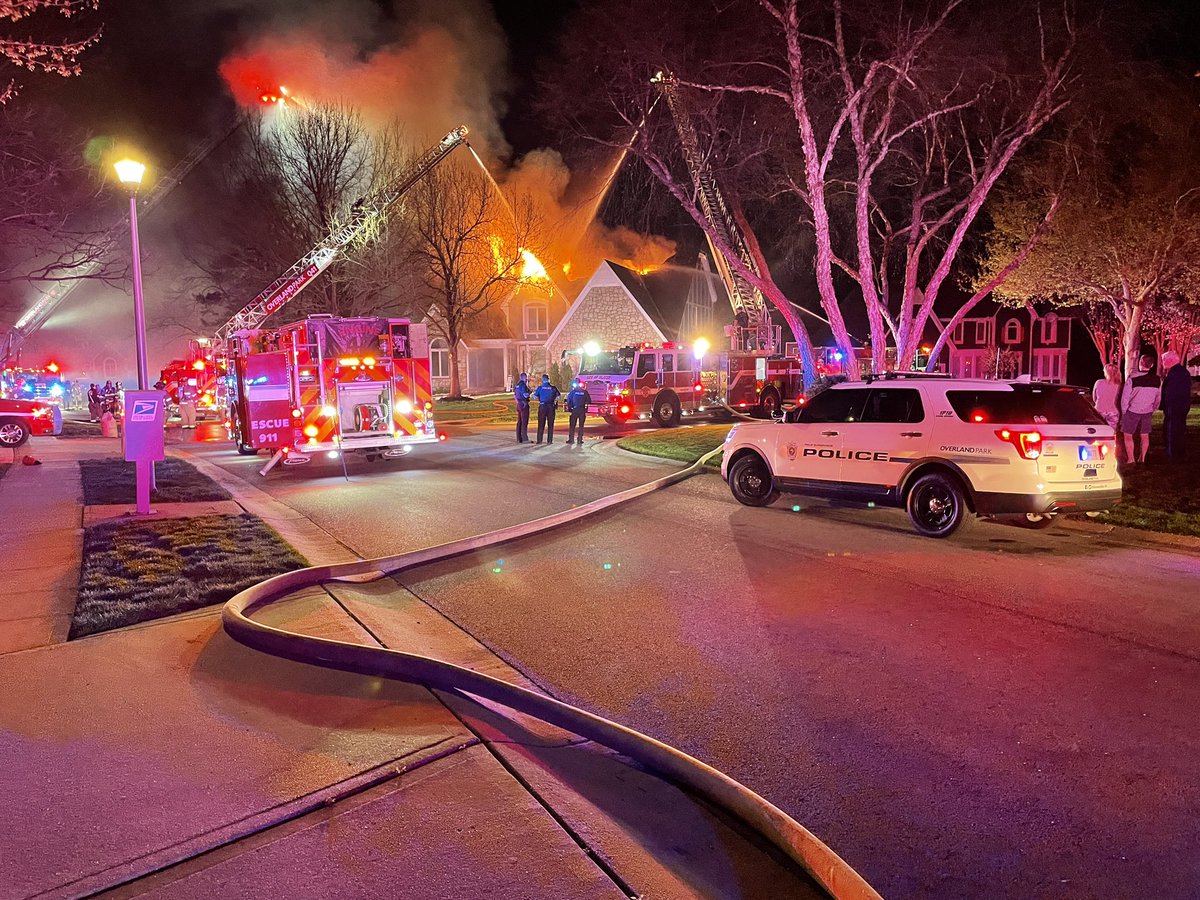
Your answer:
<point x="567" y="269"/>
<point x="531" y="267"/>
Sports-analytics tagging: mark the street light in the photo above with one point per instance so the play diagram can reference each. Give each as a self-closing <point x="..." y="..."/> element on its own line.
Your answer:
<point x="130" y="173"/>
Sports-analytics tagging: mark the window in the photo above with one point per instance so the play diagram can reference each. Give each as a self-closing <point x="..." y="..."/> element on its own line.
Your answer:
<point x="834" y="405"/>
<point x="668" y="362"/>
<point x="957" y="334"/>
<point x="894" y="405"/>
<point x="1049" y="365"/>
<point x="536" y="319"/>
<point x="439" y="358"/>
<point x="981" y="331"/>
<point x="646" y="364"/>
<point x="1025" y="405"/>
<point x="1012" y="332"/>
<point x="1050" y="329"/>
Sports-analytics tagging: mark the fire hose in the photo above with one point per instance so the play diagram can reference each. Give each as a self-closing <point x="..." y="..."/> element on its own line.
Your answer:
<point x="792" y="838"/>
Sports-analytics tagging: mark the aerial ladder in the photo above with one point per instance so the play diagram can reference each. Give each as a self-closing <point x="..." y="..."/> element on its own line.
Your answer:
<point x="113" y="240"/>
<point x="750" y="309"/>
<point x="364" y="214"/>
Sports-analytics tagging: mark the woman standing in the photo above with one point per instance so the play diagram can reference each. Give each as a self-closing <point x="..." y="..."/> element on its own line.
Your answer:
<point x="1105" y="394"/>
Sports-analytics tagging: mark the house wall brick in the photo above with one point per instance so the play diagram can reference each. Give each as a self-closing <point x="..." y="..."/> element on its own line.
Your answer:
<point x="605" y="314"/>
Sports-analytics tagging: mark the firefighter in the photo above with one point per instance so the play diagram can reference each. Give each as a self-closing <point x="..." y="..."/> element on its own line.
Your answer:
<point x="577" y="404"/>
<point x="522" y="393"/>
<point x="547" y="397"/>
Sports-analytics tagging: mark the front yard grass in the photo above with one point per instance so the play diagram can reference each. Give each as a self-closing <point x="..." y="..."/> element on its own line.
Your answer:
<point x="136" y="571"/>
<point x="489" y="408"/>
<point x="1163" y="496"/>
<point x="114" y="481"/>
<point x="682" y="444"/>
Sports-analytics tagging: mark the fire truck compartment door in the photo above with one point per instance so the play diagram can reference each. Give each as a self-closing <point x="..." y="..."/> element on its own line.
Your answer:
<point x="365" y="408"/>
<point x="418" y="339"/>
<point x="269" y="399"/>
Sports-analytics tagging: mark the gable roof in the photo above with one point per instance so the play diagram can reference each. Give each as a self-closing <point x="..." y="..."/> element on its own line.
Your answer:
<point x="664" y="293"/>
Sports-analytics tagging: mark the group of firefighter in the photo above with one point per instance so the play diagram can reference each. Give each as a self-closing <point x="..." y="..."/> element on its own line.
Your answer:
<point x="546" y="396"/>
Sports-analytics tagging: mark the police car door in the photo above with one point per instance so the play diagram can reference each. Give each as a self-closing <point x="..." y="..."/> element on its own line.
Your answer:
<point x="810" y="449"/>
<point x="891" y="435"/>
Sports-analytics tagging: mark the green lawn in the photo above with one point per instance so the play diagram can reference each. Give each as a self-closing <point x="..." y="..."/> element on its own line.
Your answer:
<point x="489" y="408"/>
<point x="79" y="428"/>
<point x="114" y="481"/>
<point x="1163" y="496"/>
<point x="682" y="444"/>
<point x="136" y="571"/>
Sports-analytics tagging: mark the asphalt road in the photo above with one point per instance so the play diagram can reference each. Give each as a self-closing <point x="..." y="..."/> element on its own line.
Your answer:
<point x="1009" y="713"/>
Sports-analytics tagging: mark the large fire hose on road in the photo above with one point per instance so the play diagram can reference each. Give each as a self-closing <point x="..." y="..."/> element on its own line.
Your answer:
<point x="797" y="842"/>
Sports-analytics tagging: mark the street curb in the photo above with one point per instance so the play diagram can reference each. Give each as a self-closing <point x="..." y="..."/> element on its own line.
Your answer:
<point x="311" y="541"/>
<point x="789" y="836"/>
<point x="1134" y="535"/>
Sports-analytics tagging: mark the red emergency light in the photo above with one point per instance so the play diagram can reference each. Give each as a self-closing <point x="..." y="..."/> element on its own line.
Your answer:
<point x="52" y="367"/>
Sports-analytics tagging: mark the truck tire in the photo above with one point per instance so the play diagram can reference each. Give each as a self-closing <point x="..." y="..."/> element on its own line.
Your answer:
<point x="13" y="433"/>
<point x="769" y="403"/>
<point x="666" y="410"/>
<point x="242" y="447"/>
<point x="751" y="482"/>
<point x="937" y="505"/>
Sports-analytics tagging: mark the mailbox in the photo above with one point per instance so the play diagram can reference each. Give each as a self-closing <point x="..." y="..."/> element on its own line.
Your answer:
<point x="144" y="417"/>
<point x="143" y="438"/>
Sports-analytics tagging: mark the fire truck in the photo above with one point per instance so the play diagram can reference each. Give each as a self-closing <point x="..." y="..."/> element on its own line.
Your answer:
<point x="669" y="382"/>
<point x="46" y="384"/>
<point x="199" y="378"/>
<point x="331" y="385"/>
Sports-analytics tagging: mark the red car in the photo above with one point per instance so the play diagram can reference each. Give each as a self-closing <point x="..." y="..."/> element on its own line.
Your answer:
<point x="21" y="418"/>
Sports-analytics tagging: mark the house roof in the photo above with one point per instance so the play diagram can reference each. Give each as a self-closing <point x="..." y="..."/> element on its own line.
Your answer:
<point x="663" y="294"/>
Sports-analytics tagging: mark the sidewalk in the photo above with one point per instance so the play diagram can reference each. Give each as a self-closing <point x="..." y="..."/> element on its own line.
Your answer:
<point x="42" y="511"/>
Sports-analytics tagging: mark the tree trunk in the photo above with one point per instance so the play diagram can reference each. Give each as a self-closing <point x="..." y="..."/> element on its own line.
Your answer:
<point x="1132" y="316"/>
<point x="455" y="381"/>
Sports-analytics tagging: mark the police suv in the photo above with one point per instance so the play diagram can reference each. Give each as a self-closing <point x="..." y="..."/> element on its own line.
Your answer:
<point x="941" y="448"/>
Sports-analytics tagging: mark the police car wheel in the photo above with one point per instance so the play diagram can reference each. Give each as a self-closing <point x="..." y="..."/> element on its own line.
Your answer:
<point x="751" y="482"/>
<point x="13" y="433"/>
<point x="936" y="505"/>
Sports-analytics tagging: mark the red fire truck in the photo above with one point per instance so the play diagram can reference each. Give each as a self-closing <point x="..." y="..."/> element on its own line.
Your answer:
<point x="199" y="378"/>
<point x="45" y="384"/>
<point x="327" y="385"/>
<point x="667" y="383"/>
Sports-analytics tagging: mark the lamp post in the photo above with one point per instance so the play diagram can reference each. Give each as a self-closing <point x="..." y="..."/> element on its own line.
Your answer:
<point x="130" y="173"/>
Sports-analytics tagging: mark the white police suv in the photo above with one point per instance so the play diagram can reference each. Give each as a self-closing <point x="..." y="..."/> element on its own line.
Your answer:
<point x="941" y="448"/>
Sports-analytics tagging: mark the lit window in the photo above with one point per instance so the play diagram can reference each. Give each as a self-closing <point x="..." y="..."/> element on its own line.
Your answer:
<point x="1050" y="329"/>
<point x="439" y="358"/>
<point x="537" y="320"/>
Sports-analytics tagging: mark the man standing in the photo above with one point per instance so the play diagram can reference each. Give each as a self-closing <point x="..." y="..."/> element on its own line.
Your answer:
<point x="522" y="393"/>
<point x="547" y="397"/>
<point x="93" y="402"/>
<point x="577" y="404"/>
<point x="1139" y="400"/>
<point x="1176" y="401"/>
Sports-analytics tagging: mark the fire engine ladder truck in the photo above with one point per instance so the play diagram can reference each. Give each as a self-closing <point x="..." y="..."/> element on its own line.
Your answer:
<point x="746" y="298"/>
<point x="363" y="215"/>
<point x="113" y="240"/>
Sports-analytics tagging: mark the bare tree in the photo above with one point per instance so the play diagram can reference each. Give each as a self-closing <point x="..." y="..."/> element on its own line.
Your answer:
<point x="885" y="127"/>
<point x="470" y="248"/>
<point x="54" y="206"/>
<point x="298" y="177"/>
<point x="51" y="48"/>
